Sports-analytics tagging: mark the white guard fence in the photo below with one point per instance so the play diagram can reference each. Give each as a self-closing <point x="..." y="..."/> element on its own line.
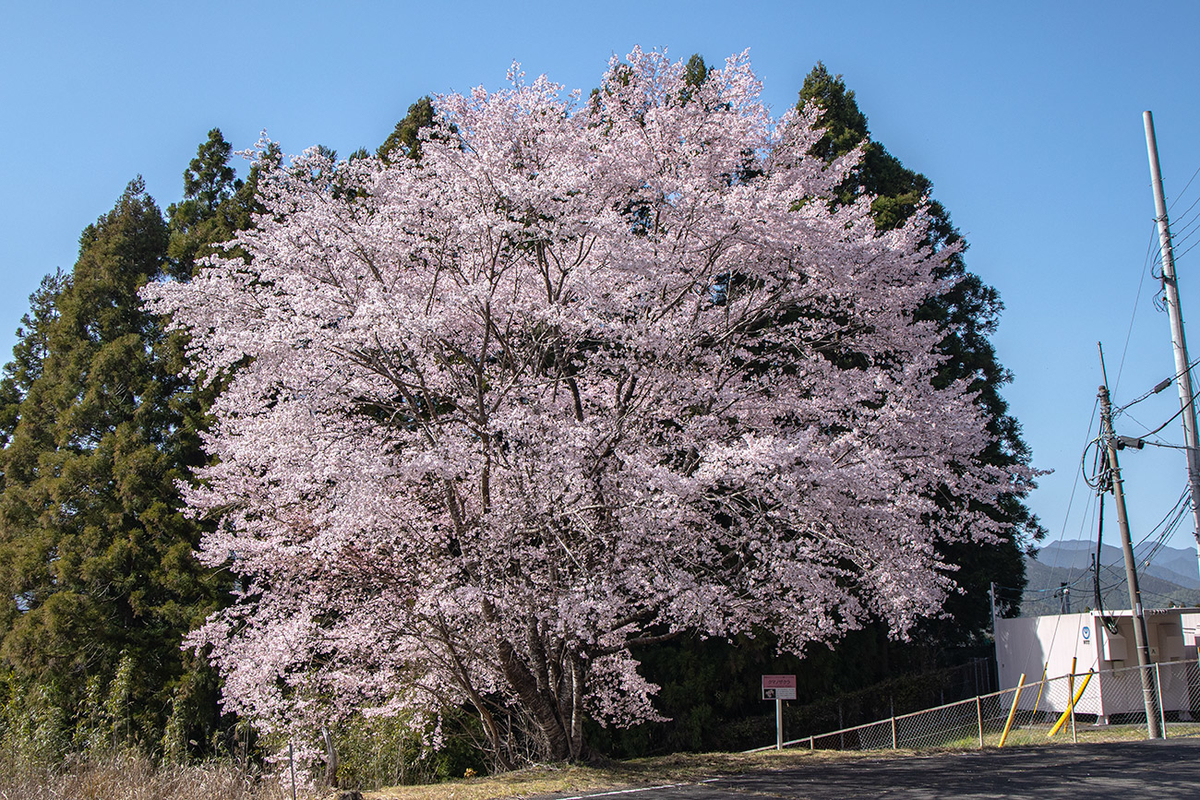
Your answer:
<point x="1108" y="705"/>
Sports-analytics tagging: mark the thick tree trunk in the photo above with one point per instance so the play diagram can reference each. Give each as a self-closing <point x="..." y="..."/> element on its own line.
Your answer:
<point x="540" y="705"/>
<point x="553" y="697"/>
<point x="331" y="758"/>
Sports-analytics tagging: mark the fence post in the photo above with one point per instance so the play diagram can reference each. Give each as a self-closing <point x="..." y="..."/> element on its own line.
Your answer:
<point x="1162" y="708"/>
<point x="979" y="716"/>
<point x="892" y="710"/>
<point x="841" y="727"/>
<point x="810" y="743"/>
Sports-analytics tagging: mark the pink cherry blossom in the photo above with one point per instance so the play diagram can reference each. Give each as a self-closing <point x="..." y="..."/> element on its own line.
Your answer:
<point x="589" y="374"/>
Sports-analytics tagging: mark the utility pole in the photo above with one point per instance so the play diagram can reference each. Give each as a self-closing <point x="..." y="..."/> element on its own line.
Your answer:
<point x="992" y="603"/>
<point x="1178" y="340"/>
<point x="1108" y="440"/>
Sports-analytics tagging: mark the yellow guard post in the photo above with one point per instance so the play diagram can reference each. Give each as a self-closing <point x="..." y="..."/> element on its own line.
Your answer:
<point x="1013" y="711"/>
<point x="1071" y="707"/>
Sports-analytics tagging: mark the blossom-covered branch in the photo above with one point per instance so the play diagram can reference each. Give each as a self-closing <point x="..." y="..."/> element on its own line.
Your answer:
<point x="584" y="375"/>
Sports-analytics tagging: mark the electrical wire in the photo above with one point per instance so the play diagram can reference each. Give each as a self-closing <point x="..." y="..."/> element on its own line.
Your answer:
<point x="1168" y="519"/>
<point x="1109" y="622"/>
<point x="1169" y="525"/>
<point x="1185" y="252"/>
<point x="1168" y="445"/>
<point x="1184" y="190"/>
<point x="1133" y="316"/>
<point x="1026" y="590"/>
<point x="1172" y="418"/>
<point x="1158" y="387"/>
<point x="1183" y="216"/>
<point x="1184" y="228"/>
<point x="1182" y="224"/>
<point x="1099" y="477"/>
<point x="1100" y="480"/>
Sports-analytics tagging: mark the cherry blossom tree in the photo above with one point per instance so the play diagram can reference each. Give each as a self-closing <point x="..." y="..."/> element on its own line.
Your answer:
<point x="586" y="375"/>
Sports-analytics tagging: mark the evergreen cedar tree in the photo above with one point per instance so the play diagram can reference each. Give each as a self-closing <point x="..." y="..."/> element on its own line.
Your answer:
<point x="967" y="313"/>
<point x="580" y="378"/>
<point x="96" y="564"/>
<point x="405" y="140"/>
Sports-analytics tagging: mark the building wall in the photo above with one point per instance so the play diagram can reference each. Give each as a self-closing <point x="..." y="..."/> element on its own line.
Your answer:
<point x="1027" y="644"/>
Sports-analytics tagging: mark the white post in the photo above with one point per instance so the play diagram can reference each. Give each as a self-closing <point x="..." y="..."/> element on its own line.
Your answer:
<point x="778" y="724"/>
<point x="979" y="717"/>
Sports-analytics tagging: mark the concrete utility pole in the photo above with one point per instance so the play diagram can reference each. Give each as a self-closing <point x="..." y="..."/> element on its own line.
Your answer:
<point x="1109" y="441"/>
<point x="1178" y="340"/>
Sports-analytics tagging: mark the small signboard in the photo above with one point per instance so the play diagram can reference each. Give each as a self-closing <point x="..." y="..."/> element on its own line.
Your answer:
<point x="779" y="687"/>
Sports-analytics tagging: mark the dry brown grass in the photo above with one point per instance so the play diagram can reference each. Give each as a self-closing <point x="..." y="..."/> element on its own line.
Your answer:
<point x="132" y="777"/>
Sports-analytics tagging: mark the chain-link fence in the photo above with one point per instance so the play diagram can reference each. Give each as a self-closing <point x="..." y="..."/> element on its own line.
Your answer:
<point x="1131" y="703"/>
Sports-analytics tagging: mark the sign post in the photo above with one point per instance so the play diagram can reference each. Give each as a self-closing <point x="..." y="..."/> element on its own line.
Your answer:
<point x="779" y="688"/>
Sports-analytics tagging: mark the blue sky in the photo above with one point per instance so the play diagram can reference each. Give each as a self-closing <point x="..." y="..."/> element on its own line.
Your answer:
<point x="1026" y="117"/>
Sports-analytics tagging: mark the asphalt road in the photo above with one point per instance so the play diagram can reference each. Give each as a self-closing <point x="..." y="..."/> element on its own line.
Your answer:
<point x="1126" y="770"/>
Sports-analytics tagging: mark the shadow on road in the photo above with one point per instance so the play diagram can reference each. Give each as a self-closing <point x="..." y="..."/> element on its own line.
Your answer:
<point x="1126" y="770"/>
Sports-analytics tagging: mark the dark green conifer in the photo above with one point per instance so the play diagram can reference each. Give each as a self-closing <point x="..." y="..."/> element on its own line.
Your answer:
<point x="405" y="140"/>
<point x="99" y="553"/>
<point x="968" y="314"/>
<point x="98" y="584"/>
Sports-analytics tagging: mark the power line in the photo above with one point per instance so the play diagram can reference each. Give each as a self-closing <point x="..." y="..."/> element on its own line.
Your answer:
<point x="1190" y="249"/>
<point x="1184" y="190"/>
<point x="1158" y="387"/>
<point x="1133" y="316"/>
<point x="1181" y="228"/>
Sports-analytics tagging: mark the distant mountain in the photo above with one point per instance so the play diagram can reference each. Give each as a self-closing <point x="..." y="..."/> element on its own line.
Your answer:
<point x="1173" y="564"/>
<point x="1171" y="575"/>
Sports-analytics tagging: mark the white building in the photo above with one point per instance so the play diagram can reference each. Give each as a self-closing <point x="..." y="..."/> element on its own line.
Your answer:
<point x="1029" y="644"/>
